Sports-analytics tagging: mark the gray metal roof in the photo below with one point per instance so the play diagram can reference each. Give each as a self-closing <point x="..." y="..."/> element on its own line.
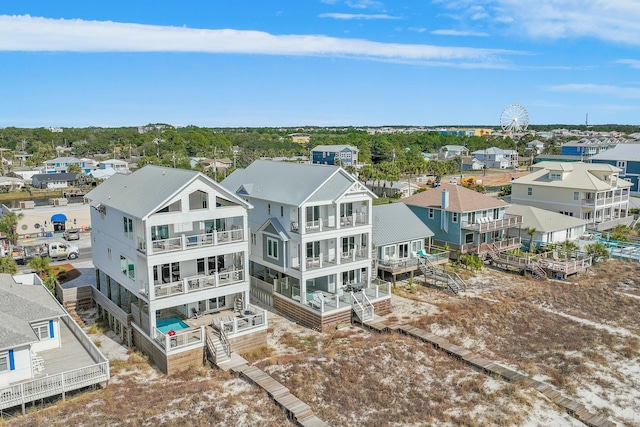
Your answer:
<point x="396" y="223"/>
<point x="146" y="190"/>
<point x="544" y="220"/>
<point x="627" y="152"/>
<point x="289" y="183"/>
<point x="335" y="148"/>
<point x="20" y="305"/>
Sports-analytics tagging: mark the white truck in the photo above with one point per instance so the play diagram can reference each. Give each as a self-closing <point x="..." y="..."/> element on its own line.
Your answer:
<point x="54" y="250"/>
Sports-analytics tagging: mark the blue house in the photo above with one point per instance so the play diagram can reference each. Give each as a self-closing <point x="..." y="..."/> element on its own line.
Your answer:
<point x="587" y="146"/>
<point x="627" y="158"/>
<point x="327" y="155"/>
<point x="464" y="220"/>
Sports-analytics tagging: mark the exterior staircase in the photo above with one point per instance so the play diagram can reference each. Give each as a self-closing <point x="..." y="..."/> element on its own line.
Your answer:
<point x="362" y="308"/>
<point x="453" y="281"/>
<point x="537" y="271"/>
<point x="218" y="347"/>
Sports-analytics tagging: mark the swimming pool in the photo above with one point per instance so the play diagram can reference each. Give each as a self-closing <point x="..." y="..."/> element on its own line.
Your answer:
<point x="170" y="323"/>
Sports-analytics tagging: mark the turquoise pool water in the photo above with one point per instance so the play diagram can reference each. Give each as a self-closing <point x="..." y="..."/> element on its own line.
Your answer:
<point x="170" y="323"/>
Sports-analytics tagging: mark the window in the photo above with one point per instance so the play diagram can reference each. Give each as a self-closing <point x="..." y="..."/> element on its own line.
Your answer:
<point x="127" y="267"/>
<point x="6" y="361"/>
<point x="281" y="210"/>
<point x="454" y="217"/>
<point x="313" y="249"/>
<point x="268" y="208"/>
<point x="555" y="176"/>
<point x="109" y="254"/>
<point x="159" y="232"/>
<point x="253" y="238"/>
<point x="403" y="250"/>
<point x="272" y="248"/>
<point x="468" y="238"/>
<point x="43" y="330"/>
<point x="529" y="191"/>
<point x="128" y="227"/>
<point x="576" y="195"/>
<point x="430" y="213"/>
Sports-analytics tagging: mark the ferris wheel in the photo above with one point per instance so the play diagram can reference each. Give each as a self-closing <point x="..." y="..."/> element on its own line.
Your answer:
<point x="514" y="118"/>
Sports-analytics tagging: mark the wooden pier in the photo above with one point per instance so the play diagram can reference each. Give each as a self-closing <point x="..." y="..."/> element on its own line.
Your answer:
<point x="573" y="408"/>
<point x="296" y="410"/>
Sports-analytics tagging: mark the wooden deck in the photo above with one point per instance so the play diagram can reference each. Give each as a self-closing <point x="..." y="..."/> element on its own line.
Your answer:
<point x="573" y="408"/>
<point x="72" y="355"/>
<point x="296" y="409"/>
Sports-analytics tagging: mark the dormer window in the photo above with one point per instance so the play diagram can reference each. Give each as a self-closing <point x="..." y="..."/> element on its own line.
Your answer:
<point x="555" y="176"/>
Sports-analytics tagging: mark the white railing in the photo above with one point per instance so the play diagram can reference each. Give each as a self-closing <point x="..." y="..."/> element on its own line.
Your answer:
<point x="52" y="385"/>
<point x="179" y="339"/>
<point x="487" y="224"/>
<point x="251" y="318"/>
<point x="184" y="242"/>
<point x="198" y="283"/>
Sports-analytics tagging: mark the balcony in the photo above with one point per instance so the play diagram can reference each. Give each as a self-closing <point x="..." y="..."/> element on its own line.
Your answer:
<point x="198" y="283"/>
<point x="326" y="302"/>
<point x="483" y="225"/>
<point x="185" y="242"/>
<point x="329" y="223"/>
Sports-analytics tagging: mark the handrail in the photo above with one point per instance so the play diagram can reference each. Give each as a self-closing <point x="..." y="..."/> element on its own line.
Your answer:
<point x="53" y="384"/>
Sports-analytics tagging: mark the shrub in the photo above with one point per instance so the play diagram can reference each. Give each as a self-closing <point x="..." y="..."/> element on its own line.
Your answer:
<point x="597" y="251"/>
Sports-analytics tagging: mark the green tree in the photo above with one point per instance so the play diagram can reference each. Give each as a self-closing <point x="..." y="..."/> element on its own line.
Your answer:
<point x="74" y="168"/>
<point x="531" y="231"/>
<point x="597" y="251"/>
<point x="9" y="225"/>
<point x="8" y="265"/>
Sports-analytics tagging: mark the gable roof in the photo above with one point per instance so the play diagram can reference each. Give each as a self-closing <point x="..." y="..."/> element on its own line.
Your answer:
<point x="335" y="148"/>
<point x="66" y="176"/>
<point x="578" y="176"/>
<point x="544" y="220"/>
<point x="461" y="199"/>
<point x="396" y="223"/>
<point x="273" y="226"/>
<point x="20" y="305"/>
<point x="625" y="152"/>
<point x="143" y="192"/>
<point x="290" y="183"/>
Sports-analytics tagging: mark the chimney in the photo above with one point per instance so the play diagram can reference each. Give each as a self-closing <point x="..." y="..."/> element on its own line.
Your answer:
<point x="445" y="199"/>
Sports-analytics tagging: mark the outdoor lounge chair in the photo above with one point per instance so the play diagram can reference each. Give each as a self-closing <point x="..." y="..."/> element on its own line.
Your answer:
<point x="195" y="313"/>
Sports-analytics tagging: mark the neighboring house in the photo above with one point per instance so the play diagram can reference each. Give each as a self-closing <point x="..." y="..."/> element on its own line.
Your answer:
<point x="328" y="154"/>
<point x="300" y="138"/>
<point x="464" y="220"/>
<point x="550" y="227"/>
<point x="61" y="165"/>
<point x="398" y="238"/>
<point x="43" y="352"/>
<point x="470" y="163"/>
<point x="450" y="151"/>
<point x="119" y="166"/>
<point x="536" y="146"/>
<point x="52" y="181"/>
<point x="311" y="238"/>
<point x="497" y="158"/>
<point x="170" y="248"/>
<point x="557" y="158"/>
<point x="627" y="158"/>
<point x="588" y="191"/>
<point x="587" y="147"/>
<point x="393" y="188"/>
<point x="10" y="183"/>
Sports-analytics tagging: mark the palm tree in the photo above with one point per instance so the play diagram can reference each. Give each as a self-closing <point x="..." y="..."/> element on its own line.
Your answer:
<point x="41" y="266"/>
<point x="8" y="265"/>
<point x="531" y="231"/>
<point x="9" y="225"/>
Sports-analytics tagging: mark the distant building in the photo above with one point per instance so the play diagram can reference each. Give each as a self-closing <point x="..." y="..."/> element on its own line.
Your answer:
<point x="119" y="166"/>
<point x="328" y="154"/>
<point x="61" y="164"/>
<point x="627" y="158"/>
<point x="450" y="151"/>
<point x="497" y="158"/>
<point x="300" y="138"/>
<point x="588" y="146"/>
<point x="51" y="181"/>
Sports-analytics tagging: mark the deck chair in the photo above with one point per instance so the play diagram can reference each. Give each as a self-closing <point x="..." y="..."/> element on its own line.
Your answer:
<point x="195" y="312"/>
<point x="422" y="253"/>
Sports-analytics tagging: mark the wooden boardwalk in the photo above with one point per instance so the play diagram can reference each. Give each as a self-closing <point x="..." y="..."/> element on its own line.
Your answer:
<point x="573" y="408"/>
<point x="296" y="410"/>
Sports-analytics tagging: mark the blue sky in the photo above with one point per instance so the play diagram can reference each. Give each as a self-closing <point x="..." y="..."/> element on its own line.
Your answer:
<point x="317" y="62"/>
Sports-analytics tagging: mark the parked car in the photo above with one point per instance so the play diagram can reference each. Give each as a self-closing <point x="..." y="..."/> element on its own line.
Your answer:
<point x="71" y="234"/>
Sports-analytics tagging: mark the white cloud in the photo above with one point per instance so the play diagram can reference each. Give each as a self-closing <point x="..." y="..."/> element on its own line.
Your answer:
<point x="607" y="90"/>
<point x="347" y="16"/>
<point x="633" y="63"/>
<point x="610" y="20"/>
<point x="458" y="33"/>
<point x="26" y="33"/>
<point x="363" y="4"/>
